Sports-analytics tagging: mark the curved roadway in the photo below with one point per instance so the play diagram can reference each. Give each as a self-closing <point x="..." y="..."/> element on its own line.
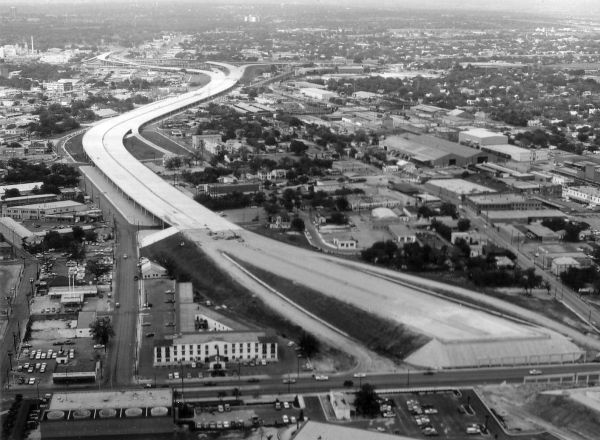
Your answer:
<point x="104" y="146"/>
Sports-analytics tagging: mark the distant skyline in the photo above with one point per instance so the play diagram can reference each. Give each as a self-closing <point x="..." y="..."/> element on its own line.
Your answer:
<point x="590" y="8"/>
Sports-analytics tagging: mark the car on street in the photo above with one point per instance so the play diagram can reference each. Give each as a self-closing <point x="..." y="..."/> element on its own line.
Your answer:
<point x="285" y="419"/>
<point x="288" y="381"/>
<point x="321" y="377"/>
<point x="31" y="381"/>
<point x="97" y="346"/>
<point x="535" y="372"/>
<point x="286" y="405"/>
<point x="149" y="335"/>
<point x="360" y="375"/>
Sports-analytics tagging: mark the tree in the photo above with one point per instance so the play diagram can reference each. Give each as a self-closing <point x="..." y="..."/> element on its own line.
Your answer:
<point x="102" y="330"/>
<point x="298" y="224"/>
<point x="96" y="268"/>
<point x="308" y="344"/>
<point x="11" y="192"/>
<point x="464" y="224"/>
<point x="298" y="147"/>
<point x="449" y="209"/>
<point x="547" y="286"/>
<point x="342" y="204"/>
<point x="366" y="401"/>
<point x="78" y="234"/>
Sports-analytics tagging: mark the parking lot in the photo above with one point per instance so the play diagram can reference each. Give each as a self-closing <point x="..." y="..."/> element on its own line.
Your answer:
<point x="224" y="415"/>
<point x="452" y="415"/>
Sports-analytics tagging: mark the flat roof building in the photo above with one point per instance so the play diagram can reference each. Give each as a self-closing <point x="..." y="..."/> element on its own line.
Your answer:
<point x="39" y="211"/>
<point x="23" y="188"/>
<point x="501" y="202"/>
<point x="432" y="151"/>
<point x="139" y="414"/>
<point x="205" y="336"/>
<point x="517" y="154"/>
<point x="482" y="137"/>
<point x="523" y="215"/>
<point x="456" y="187"/>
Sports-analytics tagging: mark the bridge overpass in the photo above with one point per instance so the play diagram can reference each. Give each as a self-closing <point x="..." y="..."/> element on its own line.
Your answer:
<point x="103" y="144"/>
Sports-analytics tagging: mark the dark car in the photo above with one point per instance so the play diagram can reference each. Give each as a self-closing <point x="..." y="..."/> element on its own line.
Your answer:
<point x="150" y="334"/>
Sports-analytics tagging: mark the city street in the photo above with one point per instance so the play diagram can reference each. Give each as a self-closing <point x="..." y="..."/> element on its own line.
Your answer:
<point x="571" y="299"/>
<point x="19" y="316"/>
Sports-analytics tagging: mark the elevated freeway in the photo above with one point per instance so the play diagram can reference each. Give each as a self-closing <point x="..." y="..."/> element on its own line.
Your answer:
<point x="459" y="336"/>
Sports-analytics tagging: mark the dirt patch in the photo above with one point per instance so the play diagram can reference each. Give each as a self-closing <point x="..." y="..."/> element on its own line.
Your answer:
<point x="508" y="401"/>
<point x="380" y="335"/>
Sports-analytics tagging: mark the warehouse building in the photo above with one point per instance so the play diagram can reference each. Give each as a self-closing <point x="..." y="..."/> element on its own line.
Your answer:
<point x="27" y="200"/>
<point x="314" y="93"/>
<point x="40" y="211"/>
<point x="523" y="215"/>
<point x="205" y="336"/>
<point x="501" y="202"/>
<point x="584" y="194"/>
<point x="456" y="188"/>
<point x="23" y="188"/>
<point x="432" y="151"/>
<point x="481" y="137"/>
<point x="134" y="414"/>
<point x="517" y="154"/>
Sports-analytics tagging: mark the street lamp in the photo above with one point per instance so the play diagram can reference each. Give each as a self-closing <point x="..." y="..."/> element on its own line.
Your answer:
<point x="181" y="372"/>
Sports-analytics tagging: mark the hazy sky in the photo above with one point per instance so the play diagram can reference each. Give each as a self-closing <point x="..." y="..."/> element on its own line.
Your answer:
<point x="577" y="7"/>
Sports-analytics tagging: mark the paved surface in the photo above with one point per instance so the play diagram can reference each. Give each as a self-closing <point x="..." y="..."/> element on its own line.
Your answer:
<point x="111" y="200"/>
<point x="19" y="316"/>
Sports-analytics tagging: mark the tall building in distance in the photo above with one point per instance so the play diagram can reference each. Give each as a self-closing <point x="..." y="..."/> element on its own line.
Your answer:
<point x="13" y="12"/>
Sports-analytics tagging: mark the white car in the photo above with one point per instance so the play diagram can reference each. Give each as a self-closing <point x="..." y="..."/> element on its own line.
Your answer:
<point x="535" y="372"/>
<point x="360" y="375"/>
<point x="286" y="405"/>
<point x="285" y="419"/>
<point x="321" y="377"/>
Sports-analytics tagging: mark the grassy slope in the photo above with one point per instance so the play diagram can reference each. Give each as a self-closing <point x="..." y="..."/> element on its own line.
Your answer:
<point x="191" y="264"/>
<point x="75" y="148"/>
<point x="570" y="415"/>
<point x="140" y="150"/>
<point x="381" y="335"/>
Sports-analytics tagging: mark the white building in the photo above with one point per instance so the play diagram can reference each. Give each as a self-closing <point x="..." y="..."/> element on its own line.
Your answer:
<point x="517" y="154"/>
<point x="205" y="336"/>
<point x="314" y="93"/>
<point x="481" y="137"/>
<point x="585" y="194"/>
<point x="562" y="264"/>
<point x="152" y="270"/>
<point x="39" y="211"/>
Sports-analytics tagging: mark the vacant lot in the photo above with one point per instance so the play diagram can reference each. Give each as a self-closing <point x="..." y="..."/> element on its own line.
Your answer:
<point x="381" y="335"/>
